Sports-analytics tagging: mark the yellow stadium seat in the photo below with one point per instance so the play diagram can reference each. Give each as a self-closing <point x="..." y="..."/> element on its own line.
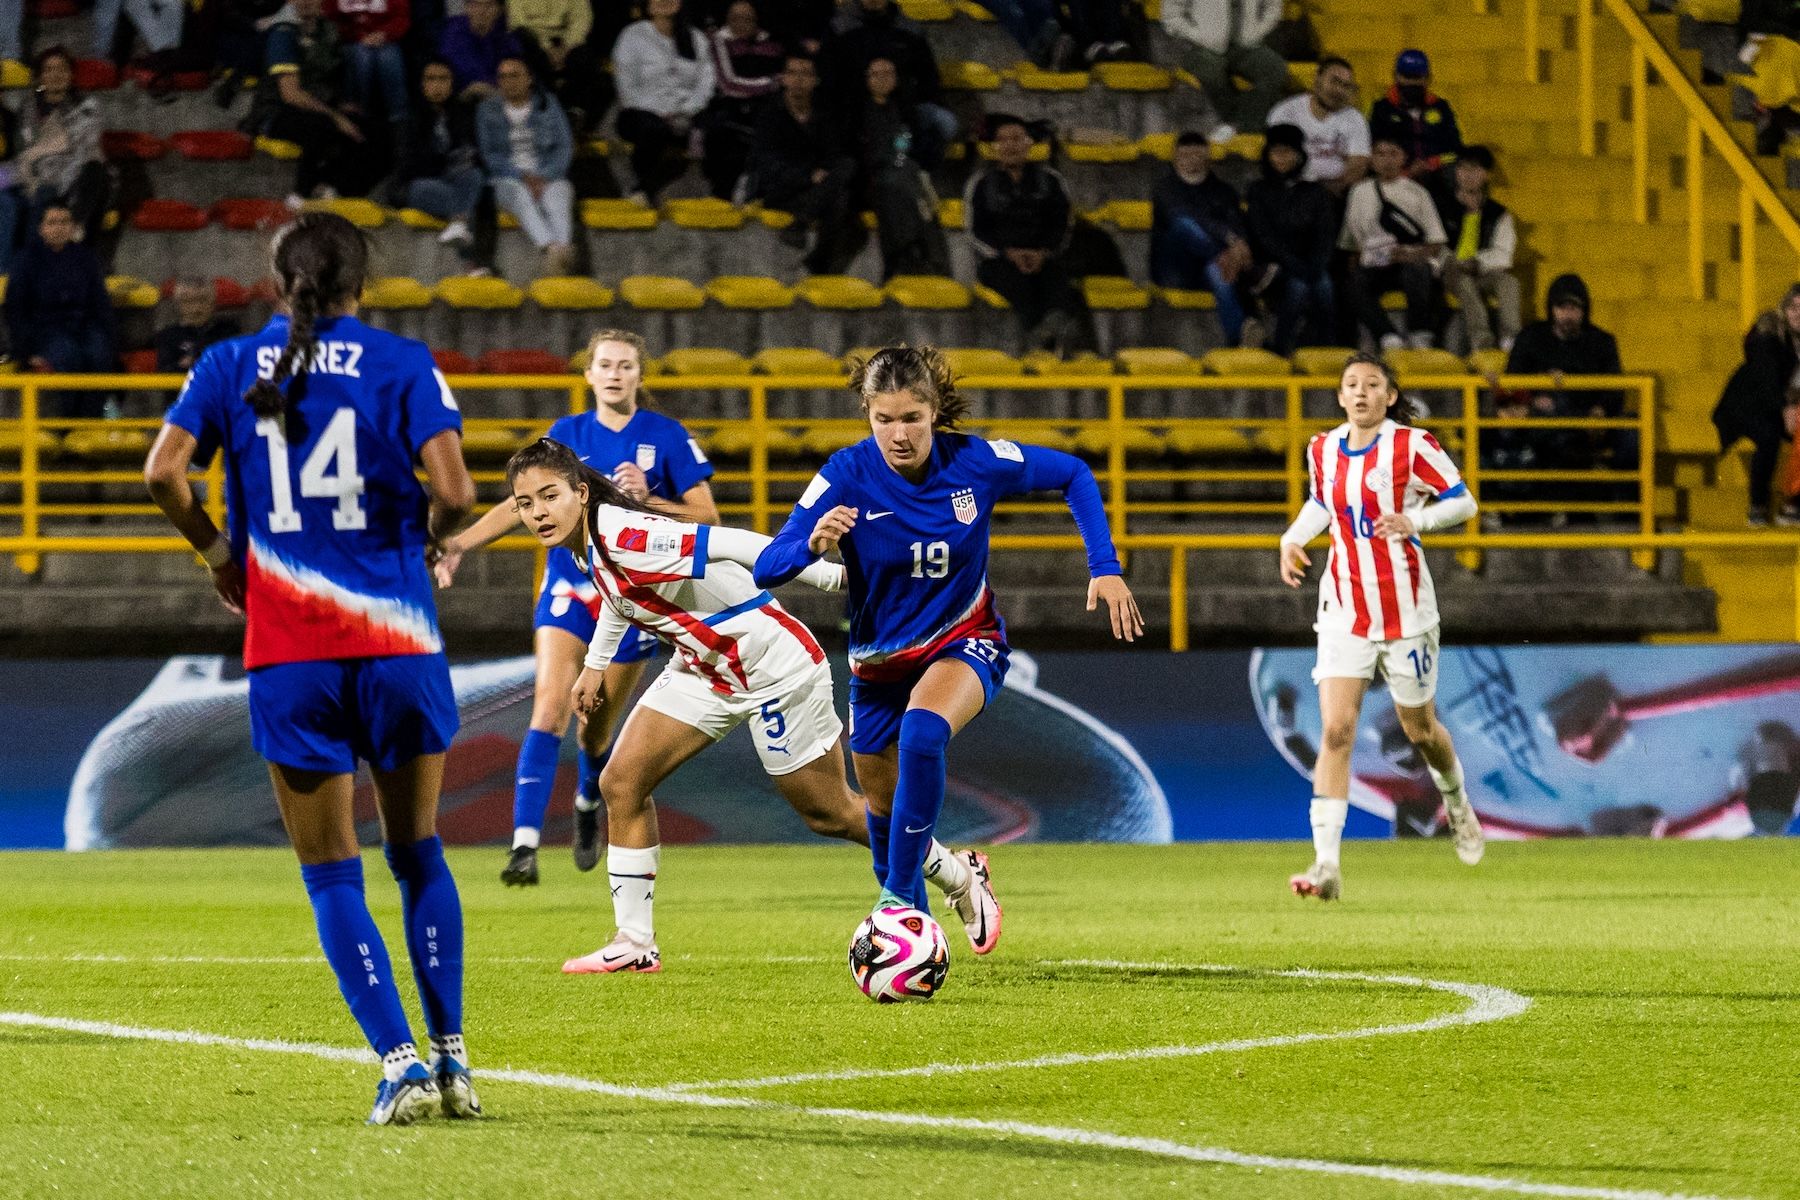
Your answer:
<point x="1209" y="441"/>
<point x="1032" y="78"/>
<point x="956" y="151"/>
<point x="569" y="292"/>
<point x="1098" y="439"/>
<point x="414" y="218"/>
<point x="1040" y="151"/>
<point x="972" y="10"/>
<point x="990" y="297"/>
<point x="1430" y="361"/>
<point x="364" y="214"/>
<point x="12" y="439"/>
<point x="796" y="360"/>
<point x="462" y="292"/>
<point x="1302" y="75"/>
<point x="1244" y="145"/>
<point x="1244" y="360"/>
<point x="1322" y="360"/>
<point x="617" y="215"/>
<point x="969" y="77"/>
<point x="869" y="221"/>
<point x="978" y="361"/>
<point x="829" y="439"/>
<point x="950" y="214"/>
<point x="1114" y="293"/>
<point x="1133" y="77"/>
<point x="705" y="213"/>
<point x="1187" y="299"/>
<point x="108" y="443"/>
<point x="1394" y="301"/>
<point x="704" y="360"/>
<point x="927" y="292"/>
<point x="505" y="220"/>
<point x="14" y="75"/>
<point x="395" y="292"/>
<point x="128" y="291"/>
<point x="490" y="441"/>
<point x="278" y="148"/>
<point x="578" y="363"/>
<point x="771" y="218"/>
<point x="1488" y="362"/>
<point x="1111" y="150"/>
<point x="1718" y="12"/>
<point x="111" y="221"/>
<point x="753" y="292"/>
<point x="839" y="293"/>
<point x="598" y="147"/>
<point x="1157" y="360"/>
<point x="1130" y="215"/>
<point x="1158" y="146"/>
<point x="1042" y="362"/>
<point x="928" y="10"/>
<point x="858" y="354"/>
<point x="661" y="292"/>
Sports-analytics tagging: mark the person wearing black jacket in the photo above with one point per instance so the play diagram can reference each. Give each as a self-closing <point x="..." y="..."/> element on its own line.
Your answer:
<point x="439" y="172"/>
<point x="1293" y="226"/>
<point x="1762" y="401"/>
<point x="865" y="30"/>
<point x="892" y="181"/>
<point x="1414" y="116"/>
<point x="197" y="326"/>
<point x="1019" y="216"/>
<point x="59" y="316"/>
<point x="800" y="163"/>
<point x="1568" y="343"/>
<point x="1197" y="234"/>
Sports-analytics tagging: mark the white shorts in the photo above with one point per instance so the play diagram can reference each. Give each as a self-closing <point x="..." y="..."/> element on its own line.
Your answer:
<point x="793" y="721"/>
<point x="1409" y="664"/>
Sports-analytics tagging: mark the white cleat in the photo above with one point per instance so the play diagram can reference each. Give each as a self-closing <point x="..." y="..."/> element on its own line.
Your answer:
<point x="623" y="953"/>
<point x="1322" y="880"/>
<point x="1466" y="826"/>
<point x="975" y="905"/>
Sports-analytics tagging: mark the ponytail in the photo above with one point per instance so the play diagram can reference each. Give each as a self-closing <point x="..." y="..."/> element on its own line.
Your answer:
<point x="320" y="261"/>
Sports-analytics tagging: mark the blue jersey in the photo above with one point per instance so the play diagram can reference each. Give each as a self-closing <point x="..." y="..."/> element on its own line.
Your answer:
<point x="917" y="556"/>
<point x="327" y="517"/>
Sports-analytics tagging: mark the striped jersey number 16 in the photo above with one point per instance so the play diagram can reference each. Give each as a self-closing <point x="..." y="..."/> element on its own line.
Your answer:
<point x="931" y="560"/>
<point x="334" y="453"/>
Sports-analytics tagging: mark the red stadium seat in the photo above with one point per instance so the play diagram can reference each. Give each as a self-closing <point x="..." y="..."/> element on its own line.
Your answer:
<point x="95" y="75"/>
<point x="129" y="145"/>
<point x="454" y="362"/>
<point x="53" y="10"/>
<point x="521" y="362"/>
<point x="251" y="213"/>
<point x="227" y="293"/>
<point x="181" y="81"/>
<point x="212" y="145"/>
<point x="169" y="216"/>
<point x="263" y="292"/>
<point x="140" y="362"/>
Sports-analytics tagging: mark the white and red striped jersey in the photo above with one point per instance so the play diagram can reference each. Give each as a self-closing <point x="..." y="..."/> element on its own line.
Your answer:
<point x="1377" y="588"/>
<point x="654" y="572"/>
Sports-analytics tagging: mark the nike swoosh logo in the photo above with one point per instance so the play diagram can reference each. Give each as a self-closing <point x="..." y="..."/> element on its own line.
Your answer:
<point x="876" y="516"/>
<point x="615" y="957"/>
<point x="920" y="829"/>
<point x="530" y="779"/>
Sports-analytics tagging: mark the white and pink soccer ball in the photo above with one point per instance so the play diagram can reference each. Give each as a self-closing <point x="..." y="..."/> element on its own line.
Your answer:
<point x="899" y="954"/>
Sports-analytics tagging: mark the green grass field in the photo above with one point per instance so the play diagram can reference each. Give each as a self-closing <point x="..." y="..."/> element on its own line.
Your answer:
<point x="1658" y="1054"/>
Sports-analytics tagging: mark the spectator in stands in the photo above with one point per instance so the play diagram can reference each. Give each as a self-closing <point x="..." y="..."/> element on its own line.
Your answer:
<point x="1066" y="35"/>
<point x="240" y="27"/>
<point x="59" y="316"/>
<point x="196" y="327"/>
<point x="374" y="67"/>
<point x="552" y="37"/>
<point x="1293" y="226"/>
<point x="1337" y="135"/>
<point x="1482" y="239"/>
<point x="158" y="22"/>
<point x="439" y="168"/>
<point x="1197" y="235"/>
<point x="298" y="101"/>
<point x="893" y="182"/>
<point x="1762" y="402"/>
<point x="1771" y="50"/>
<point x="1219" y="40"/>
<point x="58" y="159"/>
<point x="475" y="44"/>
<point x="1417" y="118"/>
<point x="526" y="149"/>
<point x="664" y="74"/>
<point x="800" y="162"/>
<point x="12" y="23"/>
<point x="1019" y="215"/>
<point x="1393" y="229"/>
<point x="747" y="60"/>
<point x="1568" y="343"/>
<point x="865" y="30"/>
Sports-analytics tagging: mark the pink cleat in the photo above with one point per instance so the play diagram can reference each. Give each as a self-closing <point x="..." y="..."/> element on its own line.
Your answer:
<point x="623" y="953"/>
<point x="976" y="905"/>
<point x="1321" y="879"/>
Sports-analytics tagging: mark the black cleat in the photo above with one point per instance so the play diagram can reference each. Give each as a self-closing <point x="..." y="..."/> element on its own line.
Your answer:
<point x="587" y="838"/>
<point x="521" y="868"/>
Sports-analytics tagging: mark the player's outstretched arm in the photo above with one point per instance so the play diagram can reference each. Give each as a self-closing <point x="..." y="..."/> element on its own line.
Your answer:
<point x="166" y="475"/>
<point x="744" y="547"/>
<point x="493" y="525"/>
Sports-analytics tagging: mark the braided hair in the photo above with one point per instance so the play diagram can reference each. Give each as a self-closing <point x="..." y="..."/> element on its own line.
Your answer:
<point x="921" y="370"/>
<point x="1404" y="410"/>
<point x="320" y="261"/>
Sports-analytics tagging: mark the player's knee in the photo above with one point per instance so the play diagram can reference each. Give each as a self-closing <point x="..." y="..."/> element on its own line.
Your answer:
<point x="829" y="823"/>
<point x="625" y="790"/>
<point x="1418" y="726"/>
<point x="924" y="732"/>
<point x="1339" y="736"/>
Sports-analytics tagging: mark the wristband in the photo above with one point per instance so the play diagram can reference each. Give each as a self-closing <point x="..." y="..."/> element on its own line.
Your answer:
<point x="217" y="554"/>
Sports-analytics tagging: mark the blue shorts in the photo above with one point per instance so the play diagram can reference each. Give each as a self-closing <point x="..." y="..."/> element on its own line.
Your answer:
<point x="325" y="715"/>
<point x="566" y="607"/>
<point x="876" y="707"/>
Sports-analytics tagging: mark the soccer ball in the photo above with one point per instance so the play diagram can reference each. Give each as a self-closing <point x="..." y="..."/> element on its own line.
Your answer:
<point x="899" y="954"/>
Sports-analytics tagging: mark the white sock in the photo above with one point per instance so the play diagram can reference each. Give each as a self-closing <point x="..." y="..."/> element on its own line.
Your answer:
<point x="1328" y="818"/>
<point x="395" y="1061"/>
<point x="525" y="835"/>
<point x="449" y="1046"/>
<point x="633" y="878"/>
<point x="1447" y="784"/>
<point x="945" y="869"/>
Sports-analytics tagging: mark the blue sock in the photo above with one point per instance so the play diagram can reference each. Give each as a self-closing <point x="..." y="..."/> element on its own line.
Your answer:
<point x="537" y="775"/>
<point x="357" y="955"/>
<point x="879" y="827"/>
<point x="918" y="799"/>
<point x="591" y="766"/>
<point x="434" y="930"/>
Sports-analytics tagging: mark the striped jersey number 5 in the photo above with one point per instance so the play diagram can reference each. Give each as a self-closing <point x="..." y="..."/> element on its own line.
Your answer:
<point x="335" y="452"/>
<point x="774" y="723"/>
<point x="931" y="560"/>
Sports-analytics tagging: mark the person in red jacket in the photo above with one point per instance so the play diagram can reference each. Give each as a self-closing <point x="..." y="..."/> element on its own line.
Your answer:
<point x="374" y="64"/>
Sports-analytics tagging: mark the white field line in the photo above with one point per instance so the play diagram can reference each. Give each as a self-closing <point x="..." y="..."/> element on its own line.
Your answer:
<point x="1058" y="1135"/>
<point x="1487" y="1004"/>
<point x="316" y="960"/>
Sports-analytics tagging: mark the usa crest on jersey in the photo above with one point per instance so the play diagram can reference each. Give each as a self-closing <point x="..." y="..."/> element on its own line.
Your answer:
<point x="963" y="505"/>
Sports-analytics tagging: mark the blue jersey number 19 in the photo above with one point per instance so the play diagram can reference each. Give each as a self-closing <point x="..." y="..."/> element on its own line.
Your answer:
<point x="931" y="561"/>
<point x="335" y="451"/>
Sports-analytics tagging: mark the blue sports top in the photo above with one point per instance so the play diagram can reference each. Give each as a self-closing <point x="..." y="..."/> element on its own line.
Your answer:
<point x="917" y="556"/>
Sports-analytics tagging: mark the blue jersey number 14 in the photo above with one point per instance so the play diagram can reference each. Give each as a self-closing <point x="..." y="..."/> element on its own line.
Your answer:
<point x="336" y="453"/>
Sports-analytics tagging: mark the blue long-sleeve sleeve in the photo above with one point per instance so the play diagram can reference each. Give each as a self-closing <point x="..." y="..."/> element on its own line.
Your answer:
<point x="788" y="555"/>
<point x="1047" y="470"/>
